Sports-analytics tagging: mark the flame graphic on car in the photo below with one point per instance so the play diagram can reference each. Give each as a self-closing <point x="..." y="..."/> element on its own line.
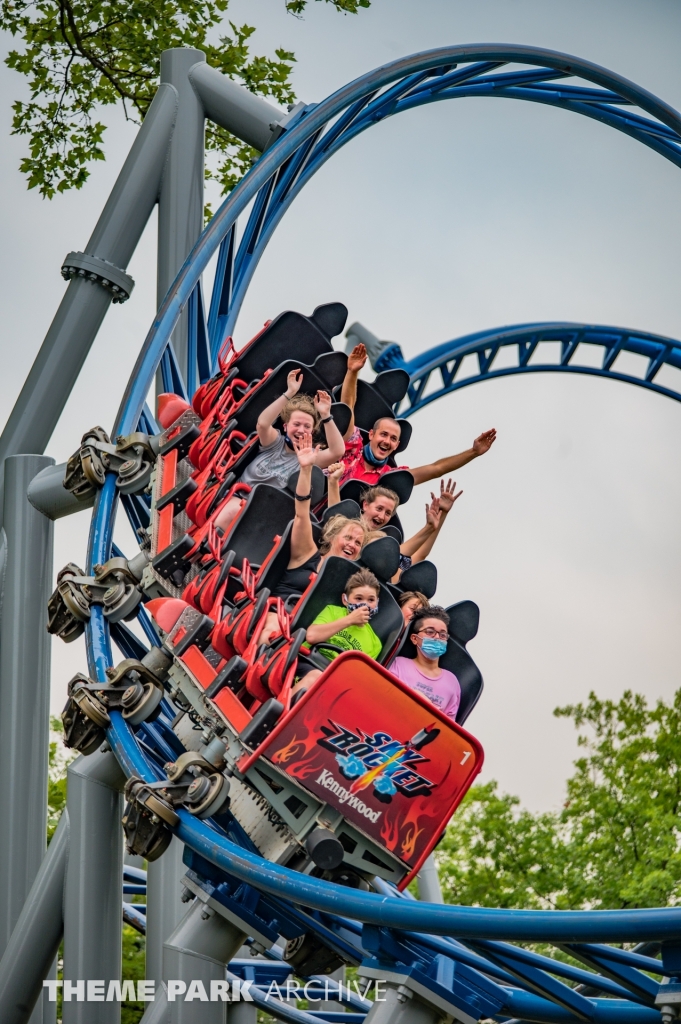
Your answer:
<point x="409" y="841"/>
<point x="291" y="750"/>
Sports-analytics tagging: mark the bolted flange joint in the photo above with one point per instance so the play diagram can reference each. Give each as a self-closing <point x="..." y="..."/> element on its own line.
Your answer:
<point x="98" y="271"/>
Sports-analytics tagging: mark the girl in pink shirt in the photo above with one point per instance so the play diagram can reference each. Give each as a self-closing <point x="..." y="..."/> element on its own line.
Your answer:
<point x="429" y="635"/>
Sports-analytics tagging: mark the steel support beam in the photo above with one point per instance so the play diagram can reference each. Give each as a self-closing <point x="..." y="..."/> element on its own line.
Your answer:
<point x="249" y="117"/>
<point x="24" y="690"/>
<point x="428" y="879"/>
<point x="180" y="208"/>
<point x="165" y="909"/>
<point x="35" y="940"/>
<point x="82" y="310"/>
<point x="46" y="492"/>
<point x="198" y="950"/>
<point x="399" y="1006"/>
<point x="94" y="884"/>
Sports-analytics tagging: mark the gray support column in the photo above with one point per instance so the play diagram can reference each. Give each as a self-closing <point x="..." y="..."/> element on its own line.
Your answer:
<point x="398" y="1006"/>
<point x="245" y="1013"/>
<point x="94" y="883"/>
<point x="199" y="949"/>
<point x="24" y="691"/>
<point x="180" y="210"/>
<point x="330" y="1005"/>
<point x="165" y="909"/>
<point x="429" y="882"/>
<point x="35" y="940"/>
<point x="84" y="305"/>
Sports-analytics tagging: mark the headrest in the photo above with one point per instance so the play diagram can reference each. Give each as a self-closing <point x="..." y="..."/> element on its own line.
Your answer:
<point x="464" y="620"/>
<point x="330" y="318"/>
<point x="341" y="416"/>
<point x="317" y="484"/>
<point x="392" y="530"/>
<point x="289" y="336"/>
<point x="392" y="385"/>
<point x="398" y="480"/>
<point x="331" y="367"/>
<point x="421" y="577"/>
<point x="369" y="405"/>
<point x="348" y="508"/>
<point x="382" y="557"/>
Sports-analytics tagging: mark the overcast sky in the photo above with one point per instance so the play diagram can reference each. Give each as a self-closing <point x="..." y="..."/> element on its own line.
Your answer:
<point x="449" y="219"/>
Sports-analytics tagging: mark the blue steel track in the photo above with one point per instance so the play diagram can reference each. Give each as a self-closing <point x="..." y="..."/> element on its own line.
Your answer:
<point x="395" y="929"/>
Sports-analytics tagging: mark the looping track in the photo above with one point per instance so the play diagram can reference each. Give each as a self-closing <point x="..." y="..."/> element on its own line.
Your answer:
<point x="527" y="983"/>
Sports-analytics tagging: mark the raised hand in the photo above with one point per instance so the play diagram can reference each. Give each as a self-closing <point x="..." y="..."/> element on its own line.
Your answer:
<point x="433" y="513"/>
<point x="322" y="403"/>
<point x="293" y="382"/>
<point x="336" y="470"/>
<point x="359" y="617"/>
<point x="306" y="452"/>
<point x="357" y="358"/>
<point x="483" y="443"/>
<point x="448" y="495"/>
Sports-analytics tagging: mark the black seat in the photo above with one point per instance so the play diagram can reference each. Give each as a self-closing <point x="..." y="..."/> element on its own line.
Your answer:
<point x="317" y="485"/>
<point x="271" y="388"/>
<point x="370" y="405"/>
<point x="328" y="588"/>
<point x="267" y="513"/>
<point x="464" y="619"/>
<point x="292" y="336"/>
<point x="331" y="367"/>
<point x="423" y="578"/>
<point x="278" y="558"/>
<point x="331" y="318"/>
<point x="382" y="557"/>
<point x="457" y="660"/>
<point x="392" y="385"/>
<point x="398" y="480"/>
<point x="394" y="529"/>
<point x="348" y="508"/>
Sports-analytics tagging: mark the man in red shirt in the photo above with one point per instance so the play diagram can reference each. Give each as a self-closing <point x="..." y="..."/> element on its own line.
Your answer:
<point x="369" y="461"/>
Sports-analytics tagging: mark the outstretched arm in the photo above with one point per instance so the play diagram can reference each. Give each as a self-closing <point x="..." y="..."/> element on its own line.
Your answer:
<point x="481" y="445"/>
<point x="356" y="361"/>
<point x="302" y="541"/>
<point x="411" y="545"/>
<point x="444" y="505"/>
<point x="336" y="446"/>
<point x="266" y="432"/>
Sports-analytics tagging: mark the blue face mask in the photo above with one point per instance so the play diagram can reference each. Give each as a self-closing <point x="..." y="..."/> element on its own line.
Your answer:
<point x="353" y="605"/>
<point x="371" y="458"/>
<point x="433" y="648"/>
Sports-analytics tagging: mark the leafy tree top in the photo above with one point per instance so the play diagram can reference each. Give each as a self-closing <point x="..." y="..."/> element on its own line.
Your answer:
<point x="79" y="56"/>
<point x="616" y="843"/>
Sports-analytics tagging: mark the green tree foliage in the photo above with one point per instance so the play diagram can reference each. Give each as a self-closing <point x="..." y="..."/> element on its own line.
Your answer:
<point x="58" y="760"/>
<point x="616" y="842"/>
<point x="79" y="56"/>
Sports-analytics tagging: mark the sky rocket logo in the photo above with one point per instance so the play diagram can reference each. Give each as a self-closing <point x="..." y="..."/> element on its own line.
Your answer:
<point x="379" y="760"/>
